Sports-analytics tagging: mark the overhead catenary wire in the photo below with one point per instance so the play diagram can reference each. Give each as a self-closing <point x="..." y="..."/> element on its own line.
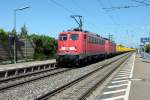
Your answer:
<point x="84" y="11"/>
<point x="110" y="3"/>
<point x="122" y="7"/>
<point x="140" y="4"/>
<point x="68" y="10"/>
<point x="62" y="6"/>
<point x="106" y="12"/>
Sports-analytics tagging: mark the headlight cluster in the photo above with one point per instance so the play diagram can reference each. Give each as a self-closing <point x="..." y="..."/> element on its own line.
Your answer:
<point x="63" y="48"/>
<point x="72" y="48"/>
<point x="68" y="48"/>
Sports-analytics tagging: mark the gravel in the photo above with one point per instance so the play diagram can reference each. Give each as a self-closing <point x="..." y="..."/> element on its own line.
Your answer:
<point x="77" y="90"/>
<point x="32" y="90"/>
<point x="30" y="77"/>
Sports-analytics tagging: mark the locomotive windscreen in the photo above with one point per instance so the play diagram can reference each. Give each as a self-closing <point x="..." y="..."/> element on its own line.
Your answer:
<point x="74" y="36"/>
<point x="63" y="37"/>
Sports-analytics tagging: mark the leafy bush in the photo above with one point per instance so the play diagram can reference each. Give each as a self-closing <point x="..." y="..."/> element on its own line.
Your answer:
<point x="147" y="48"/>
<point x="3" y="37"/>
<point x="45" y="46"/>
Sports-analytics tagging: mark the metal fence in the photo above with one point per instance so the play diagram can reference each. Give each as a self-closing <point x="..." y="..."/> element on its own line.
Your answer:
<point x="145" y="55"/>
<point x="24" y="50"/>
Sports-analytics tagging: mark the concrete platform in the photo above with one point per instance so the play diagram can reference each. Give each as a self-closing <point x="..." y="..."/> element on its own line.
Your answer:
<point x="140" y="85"/>
<point x="25" y="64"/>
<point x="118" y="86"/>
<point x="21" y="69"/>
<point x="132" y="82"/>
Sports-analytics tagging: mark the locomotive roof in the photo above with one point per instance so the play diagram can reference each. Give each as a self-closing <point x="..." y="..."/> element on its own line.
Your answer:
<point x="85" y="31"/>
<point x="109" y="40"/>
<point x="91" y="33"/>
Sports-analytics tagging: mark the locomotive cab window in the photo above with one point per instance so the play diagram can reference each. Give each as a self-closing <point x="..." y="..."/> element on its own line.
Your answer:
<point x="63" y="37"/>
<point x="74" y="37"/>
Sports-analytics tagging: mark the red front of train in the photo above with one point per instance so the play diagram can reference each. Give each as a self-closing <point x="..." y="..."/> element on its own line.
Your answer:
<point x="82" y="46"/>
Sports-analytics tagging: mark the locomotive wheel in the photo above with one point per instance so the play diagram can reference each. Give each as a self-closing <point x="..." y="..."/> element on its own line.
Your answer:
<point x="77" y="63"/>
<point x="58" y="64"/>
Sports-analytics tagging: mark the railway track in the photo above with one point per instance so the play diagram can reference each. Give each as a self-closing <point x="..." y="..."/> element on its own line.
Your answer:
<point x="28" y="77"/>
<point x="99" y="82"/>
<point x="86" y="83"/>
<point x="10" y="85"/>
<point x="18" y="80"/>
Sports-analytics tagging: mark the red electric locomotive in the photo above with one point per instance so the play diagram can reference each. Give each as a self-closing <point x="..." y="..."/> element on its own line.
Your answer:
<point x="110" y="47"/>
<point x="77" y="46"/>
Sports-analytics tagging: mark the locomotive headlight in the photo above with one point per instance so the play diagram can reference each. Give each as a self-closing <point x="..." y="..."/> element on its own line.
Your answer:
<point x="72" y="48"/>
<point x="63" y="48"/>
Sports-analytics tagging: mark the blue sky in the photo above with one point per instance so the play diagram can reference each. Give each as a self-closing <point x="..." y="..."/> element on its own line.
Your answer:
<point x="45" y="17"/>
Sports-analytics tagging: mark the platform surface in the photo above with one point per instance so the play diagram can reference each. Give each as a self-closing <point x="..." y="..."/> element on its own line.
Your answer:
<point x="140" y="85"/>
<point x="132" y="82"/>
<point x="25" y="64"/>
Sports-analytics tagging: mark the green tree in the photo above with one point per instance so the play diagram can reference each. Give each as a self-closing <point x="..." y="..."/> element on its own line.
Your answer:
<point x="13" y="31"/>
<point x="3" y="37"/>
<point x="24" y="32"/>
<point x="45" y="46"/>
<point x="120" y="45"/>
<point x="147" y="48"/>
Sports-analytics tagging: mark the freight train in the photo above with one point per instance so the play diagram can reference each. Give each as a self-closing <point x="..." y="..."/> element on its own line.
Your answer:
<point x="77" y="46"/>
<point x="122" y="49"/>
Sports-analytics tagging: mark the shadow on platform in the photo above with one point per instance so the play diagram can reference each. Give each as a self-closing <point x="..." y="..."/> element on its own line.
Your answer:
<point x="146" y="61"/>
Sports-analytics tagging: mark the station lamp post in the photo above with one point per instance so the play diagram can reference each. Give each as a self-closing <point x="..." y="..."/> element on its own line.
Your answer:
<point x="14" y="43"/>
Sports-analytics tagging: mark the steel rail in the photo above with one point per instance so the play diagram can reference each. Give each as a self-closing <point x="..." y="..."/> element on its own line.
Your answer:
<point x="90" y="90"/>
<point x="32" y="79"/>
<point x="65" y="86"/>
